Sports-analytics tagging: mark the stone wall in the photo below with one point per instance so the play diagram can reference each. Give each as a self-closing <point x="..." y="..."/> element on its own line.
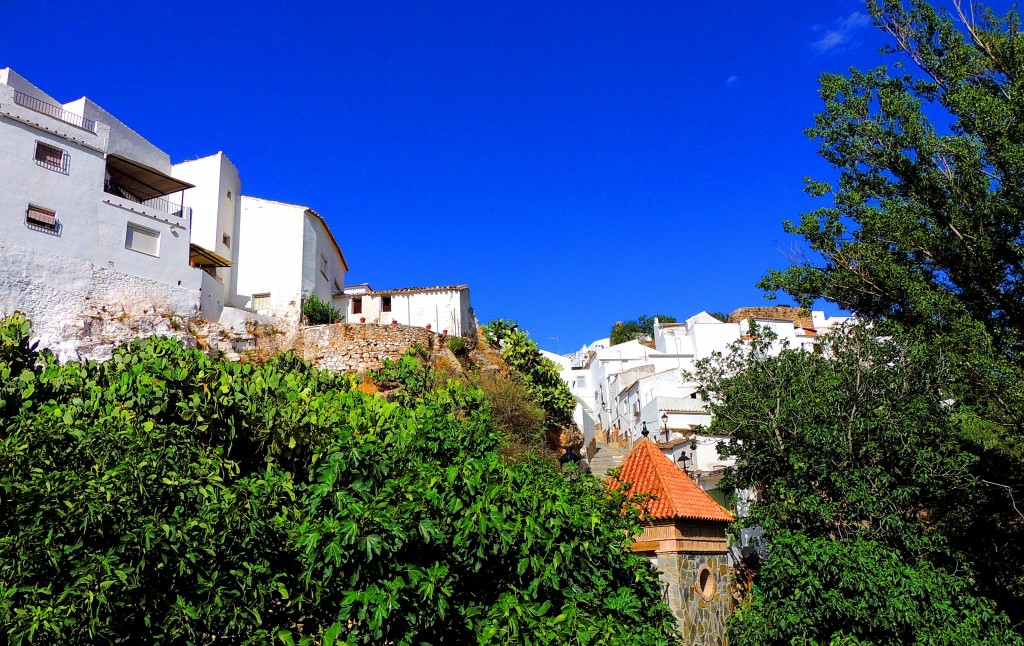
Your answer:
<point x="340" y="347"/>
<point x="357" y="347"/>
<point x="701" y="602"/>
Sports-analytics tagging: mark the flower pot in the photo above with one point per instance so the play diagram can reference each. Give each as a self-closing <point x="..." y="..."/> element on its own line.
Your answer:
<point x="362" y="319"/>
<point x="394" y="322"/>
<point x="445" y="332"/>
<point x="428" y="327"/>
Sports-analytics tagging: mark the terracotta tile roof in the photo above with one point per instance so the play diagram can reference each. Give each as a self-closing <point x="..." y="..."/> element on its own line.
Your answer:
<point x="677" y="495"/>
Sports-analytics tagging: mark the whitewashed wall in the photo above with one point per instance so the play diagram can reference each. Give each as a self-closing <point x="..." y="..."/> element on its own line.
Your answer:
<point x="270" y="255"/>
<point x="318" y="247"/>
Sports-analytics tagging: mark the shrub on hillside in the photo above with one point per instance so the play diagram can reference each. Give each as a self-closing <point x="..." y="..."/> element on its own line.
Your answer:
<point x="319" y="312"/>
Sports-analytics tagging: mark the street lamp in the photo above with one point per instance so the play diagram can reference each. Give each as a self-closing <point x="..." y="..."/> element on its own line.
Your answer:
<point x="664" y="425"/>
<point x="644" y="431"/>
<point x="683" y="459"/>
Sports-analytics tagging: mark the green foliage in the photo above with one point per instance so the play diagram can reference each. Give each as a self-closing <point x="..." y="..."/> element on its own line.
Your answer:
<point x="640" y="329"/>
<point x="541" y="375"/>
<point x="721" y="316"/>
<point x="854" y="590"/>
<point x="923" y="234"/>
<point x="319" y="312"/>
<point x="865" y="490"/>
<point x="513" y="410"/>
<point x="457" y="345"/>
<point x="166" y="497"/>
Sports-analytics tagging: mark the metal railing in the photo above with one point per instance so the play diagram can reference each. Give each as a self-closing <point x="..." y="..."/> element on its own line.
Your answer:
<point x="55" y="111"/>
<point x="158" y="203"/>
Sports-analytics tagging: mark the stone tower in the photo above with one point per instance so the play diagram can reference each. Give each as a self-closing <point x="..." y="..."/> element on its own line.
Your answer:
<point x="685" y="538"/>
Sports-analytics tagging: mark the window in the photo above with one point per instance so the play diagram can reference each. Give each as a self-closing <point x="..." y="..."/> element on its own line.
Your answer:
<point x="42" y="218"/>
<point x="337" y="287"/>
<point x="229" y="195"/>
<point x="226" y="239"/>
<point x="581" y="382"/>
<point x="323" y="265"/>
<point x="261" y="301"/>
<point x="385" y="304"/>
<point x="51" y="157"/>
<point x="143" y="240"/>
<point x="357" y="305"/>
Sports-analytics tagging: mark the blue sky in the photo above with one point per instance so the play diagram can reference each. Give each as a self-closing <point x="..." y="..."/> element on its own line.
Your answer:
<point x="575" y="163"/>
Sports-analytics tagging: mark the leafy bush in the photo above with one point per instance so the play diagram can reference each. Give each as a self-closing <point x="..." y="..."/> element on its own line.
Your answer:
<point x="166" y="497"/>
<point x="319" y="312"/>
<point x="542" y="377"/>
<point x="513" y="410"/>
<point x="457" y="345"/>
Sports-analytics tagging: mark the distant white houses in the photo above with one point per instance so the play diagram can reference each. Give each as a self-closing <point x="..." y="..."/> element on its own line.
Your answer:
<point x="94" y="216"/>
<point x="444" y="309"/>
<point x="287" y="253"/>
<point x="630" y="387"/>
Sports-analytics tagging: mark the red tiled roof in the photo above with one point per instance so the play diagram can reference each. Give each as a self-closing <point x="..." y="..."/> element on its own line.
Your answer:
<point x="649" y="471"/>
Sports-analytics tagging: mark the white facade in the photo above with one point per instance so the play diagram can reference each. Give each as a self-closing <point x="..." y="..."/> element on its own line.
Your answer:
<point x="89" y="213"/>
<point x="444" y="309"/>
<point x="286" y="252"/>
<point x="216" y="203"/>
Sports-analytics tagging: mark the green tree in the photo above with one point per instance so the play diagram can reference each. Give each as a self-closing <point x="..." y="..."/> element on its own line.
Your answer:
<point x="639" y="329"/>
<point x="864" y="485"/>
<point x="922" y="234"/>
<point x="172" y="498"/>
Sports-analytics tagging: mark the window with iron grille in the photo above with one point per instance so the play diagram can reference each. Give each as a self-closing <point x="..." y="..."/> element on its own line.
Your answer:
<point x="40" y="217"/>
<point x="385" y="304"/>
<point x="51" y="157"/>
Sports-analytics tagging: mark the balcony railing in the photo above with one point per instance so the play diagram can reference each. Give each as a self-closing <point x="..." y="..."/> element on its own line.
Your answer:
<point x="55" y="111"/>
<point x="158" y="203"/>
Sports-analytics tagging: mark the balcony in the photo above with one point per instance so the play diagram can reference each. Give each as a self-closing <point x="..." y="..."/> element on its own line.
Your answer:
<point x="149" y="187"/>
<point x="158" y="203"/>
<point x="55" y="111"/>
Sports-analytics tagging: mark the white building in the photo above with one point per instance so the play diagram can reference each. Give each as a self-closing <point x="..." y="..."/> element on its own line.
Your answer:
<point x="444" y="309"/>
<point x="90" y="213"/>
<point x="215" y="200"/>
<point x="286" y="252"/>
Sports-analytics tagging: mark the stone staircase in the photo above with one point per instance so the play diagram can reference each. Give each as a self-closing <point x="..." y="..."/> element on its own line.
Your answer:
<point x="607" y="457"/>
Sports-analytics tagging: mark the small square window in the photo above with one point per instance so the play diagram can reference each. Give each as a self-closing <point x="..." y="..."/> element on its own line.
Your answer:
<point x="42" y="218"/>
<point x="385" y="304"/>
<point x="357" y="305"/>
<point x="261" y="301"/>
<point x="229" y="195"/>
<point x="581" y="382"/>
<point x="323" y="265"/>
<point x="226" y="239"/>
<point x="143" y="240"/>
<point x="337" y="287"/>
<point x="51" y="157"/>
